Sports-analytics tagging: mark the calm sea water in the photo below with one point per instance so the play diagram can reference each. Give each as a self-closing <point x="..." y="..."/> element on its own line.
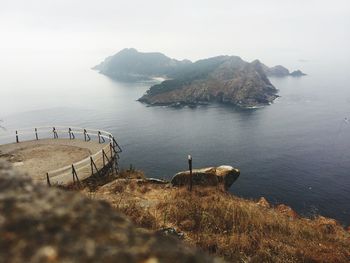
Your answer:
<point x="296" y="151"/>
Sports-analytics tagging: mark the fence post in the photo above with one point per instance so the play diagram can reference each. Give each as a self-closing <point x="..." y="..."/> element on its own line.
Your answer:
<point x="71" y="134"/>
<point x="55" y="135"/>
<point x="103" y="158"/>
<point x="36" y="134"/>
<point x="48" y="179"/>
<point x="116" y="145"/>
<point x="92" y="167"/>
<point x="86" y="136"/>
<point x="99" y="137"/>
<point x="111" y="149"/>
<point x="190" y="168"/>
<point x="17" y="141"/>
<point x="112" y="156"/>
<point x="75" y="175"/>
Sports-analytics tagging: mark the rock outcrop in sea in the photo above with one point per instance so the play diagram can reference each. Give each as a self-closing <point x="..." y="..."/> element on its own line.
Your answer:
<point x="280" y="71"/>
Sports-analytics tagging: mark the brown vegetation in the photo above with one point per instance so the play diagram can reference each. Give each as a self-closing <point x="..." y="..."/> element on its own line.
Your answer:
<point x="45" y="224"/>
<point x="233" y="228"/>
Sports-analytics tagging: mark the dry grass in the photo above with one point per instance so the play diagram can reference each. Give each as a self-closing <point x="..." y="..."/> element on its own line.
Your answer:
<point x="233" y="228"/>
<point x="131" y="173"/>
<point x="241" y="230"/>
<point x="139" y="215"/>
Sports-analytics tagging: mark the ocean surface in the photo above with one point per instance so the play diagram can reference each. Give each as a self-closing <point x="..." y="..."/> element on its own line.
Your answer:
<point x="295" y="151"/>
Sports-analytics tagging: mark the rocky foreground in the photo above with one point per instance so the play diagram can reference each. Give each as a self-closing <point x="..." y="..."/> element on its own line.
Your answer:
<point x="41" y="224"/>
<point x="235" y="229"/>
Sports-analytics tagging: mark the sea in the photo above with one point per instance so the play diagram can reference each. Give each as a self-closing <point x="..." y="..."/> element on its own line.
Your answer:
<point x="295" y="151"/>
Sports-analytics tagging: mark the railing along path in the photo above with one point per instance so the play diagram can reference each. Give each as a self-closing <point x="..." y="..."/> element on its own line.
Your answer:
<point x="100" y="163"/>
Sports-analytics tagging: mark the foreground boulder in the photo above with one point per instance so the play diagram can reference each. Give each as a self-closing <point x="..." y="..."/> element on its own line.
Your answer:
<point x="41" y="224"/>
<point x="212" y="176"/>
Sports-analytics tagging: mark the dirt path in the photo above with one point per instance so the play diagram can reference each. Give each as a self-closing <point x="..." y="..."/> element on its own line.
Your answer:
<point x="38" y="157"/>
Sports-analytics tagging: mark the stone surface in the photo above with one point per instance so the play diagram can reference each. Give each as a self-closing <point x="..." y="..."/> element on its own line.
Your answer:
<point x="41" y="224"/>
<point x="212" y="176"/>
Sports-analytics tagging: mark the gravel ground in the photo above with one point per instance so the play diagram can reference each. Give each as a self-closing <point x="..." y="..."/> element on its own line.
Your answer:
<point x="35" y="158"/>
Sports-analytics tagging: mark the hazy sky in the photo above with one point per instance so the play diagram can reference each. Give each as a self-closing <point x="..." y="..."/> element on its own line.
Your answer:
<point x="265" y="29"/>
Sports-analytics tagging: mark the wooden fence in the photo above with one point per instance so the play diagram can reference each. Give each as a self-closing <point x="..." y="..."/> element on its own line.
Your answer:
<point x="102" y="162"/>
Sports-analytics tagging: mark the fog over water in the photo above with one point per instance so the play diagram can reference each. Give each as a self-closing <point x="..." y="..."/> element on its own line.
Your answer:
<point x="295" y="151"/>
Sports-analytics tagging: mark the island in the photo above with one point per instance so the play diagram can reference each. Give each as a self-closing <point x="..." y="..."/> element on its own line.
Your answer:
<point x="221" y="79"/>
<point x="280" y="71"/>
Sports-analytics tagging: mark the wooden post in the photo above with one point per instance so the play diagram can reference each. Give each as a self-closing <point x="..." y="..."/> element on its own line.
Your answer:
<point x="99" y="137"/>
<point x="86" y="136"/>
<point x="48" y="179"/>
<point x="103" y="158"/>
<point x="55" y="135"/>
<point x="116" y="145"/>
<point x="17" y="141"/>
<point x="75" y="175"/>
<point x="112" y="156"/>
<point x="109" y="162"/>
<point x="92" y="167"/>
<point x="190" y="168"/>
<point x="111" y="149"/>
<point x="71" y="134"/>
<point x="36" y="134"/>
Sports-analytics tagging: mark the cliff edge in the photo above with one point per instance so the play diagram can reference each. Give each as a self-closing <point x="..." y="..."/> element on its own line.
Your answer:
<point x="41" y="224"/>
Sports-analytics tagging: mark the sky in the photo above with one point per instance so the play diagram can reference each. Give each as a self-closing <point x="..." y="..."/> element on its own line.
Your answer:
<point x="271" y="30"/>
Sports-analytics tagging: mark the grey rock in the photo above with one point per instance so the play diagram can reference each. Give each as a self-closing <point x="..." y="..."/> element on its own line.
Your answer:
<point x="212" y="176"/>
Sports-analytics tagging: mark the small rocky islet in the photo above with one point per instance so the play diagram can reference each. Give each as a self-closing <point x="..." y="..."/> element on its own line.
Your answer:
<point x="222" y="79"/>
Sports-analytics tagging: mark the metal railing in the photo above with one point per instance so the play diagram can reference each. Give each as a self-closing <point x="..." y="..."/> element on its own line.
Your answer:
<point x="105" y="160"/>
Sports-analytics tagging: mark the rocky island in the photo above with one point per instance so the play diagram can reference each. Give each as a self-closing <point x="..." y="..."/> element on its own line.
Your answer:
<point x="131" y="65"/>
<point x="280" y="71"/>
<point x="222" y="79"/>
